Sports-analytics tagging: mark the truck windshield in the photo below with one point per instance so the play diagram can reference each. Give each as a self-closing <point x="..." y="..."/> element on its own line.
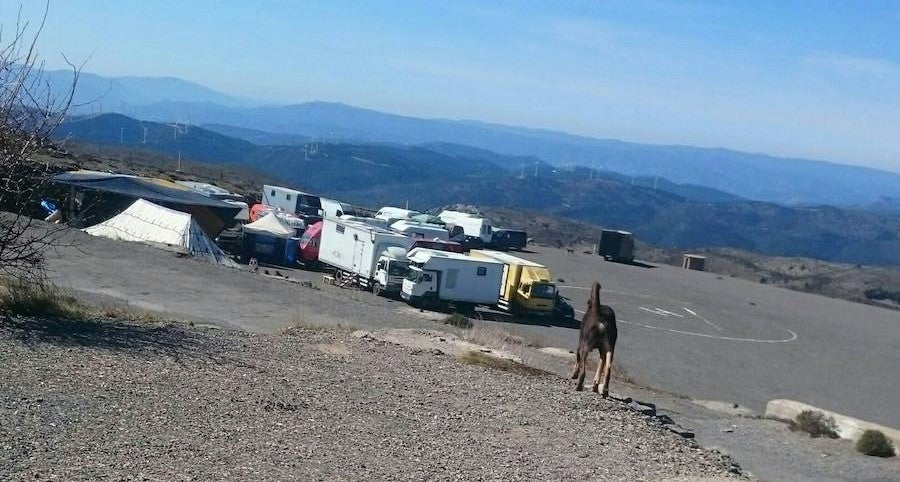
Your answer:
<point x="397" y="269"/>
<point x="543" y="291"/>
<point x="413" y="275"/>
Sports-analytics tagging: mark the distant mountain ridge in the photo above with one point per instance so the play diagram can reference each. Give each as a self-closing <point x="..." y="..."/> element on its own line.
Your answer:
<point x="96" y="94"/>
<point x="751" y="176"/>
<point x="382" y="174"/>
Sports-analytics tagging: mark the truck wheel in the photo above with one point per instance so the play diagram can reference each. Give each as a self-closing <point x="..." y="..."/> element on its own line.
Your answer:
<point x="376" y="289"/>
<point x="467" y="309"/>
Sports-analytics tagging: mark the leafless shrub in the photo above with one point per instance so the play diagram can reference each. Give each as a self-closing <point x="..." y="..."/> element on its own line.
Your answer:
<point x="29" y="113"/>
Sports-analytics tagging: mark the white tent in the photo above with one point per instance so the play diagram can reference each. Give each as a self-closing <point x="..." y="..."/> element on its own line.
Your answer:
<point x="271" y="225"/>
<point x="150" y="223"/>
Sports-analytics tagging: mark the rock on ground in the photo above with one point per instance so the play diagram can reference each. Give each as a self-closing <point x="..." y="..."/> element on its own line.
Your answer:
<point x="163" y="401"/>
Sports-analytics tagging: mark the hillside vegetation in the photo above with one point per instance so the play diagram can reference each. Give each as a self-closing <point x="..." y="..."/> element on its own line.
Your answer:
<point x="683" y="216"/>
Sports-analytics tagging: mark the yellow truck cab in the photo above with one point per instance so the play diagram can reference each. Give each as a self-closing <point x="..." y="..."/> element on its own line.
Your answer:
<point x="526" y="286"/>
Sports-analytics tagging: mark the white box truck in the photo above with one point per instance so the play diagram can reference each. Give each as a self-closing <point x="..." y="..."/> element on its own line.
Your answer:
<point x="421" y="230"/>
<point x="355" y="249"/>
<point x="438" y="278"/>
<point x="468" y="224"/>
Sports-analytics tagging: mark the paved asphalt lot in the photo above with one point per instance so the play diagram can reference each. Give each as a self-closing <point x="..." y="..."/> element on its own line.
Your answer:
<point x="691" y="333"/>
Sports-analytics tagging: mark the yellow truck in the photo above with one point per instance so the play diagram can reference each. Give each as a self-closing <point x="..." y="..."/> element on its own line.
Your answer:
<point x="526" y="287"/>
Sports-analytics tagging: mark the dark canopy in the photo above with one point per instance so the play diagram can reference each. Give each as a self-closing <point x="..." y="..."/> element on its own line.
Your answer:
<point x="119" y="189"/>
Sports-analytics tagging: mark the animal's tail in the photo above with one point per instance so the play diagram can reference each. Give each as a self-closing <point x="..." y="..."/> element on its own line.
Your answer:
<point x="595" y="295"/>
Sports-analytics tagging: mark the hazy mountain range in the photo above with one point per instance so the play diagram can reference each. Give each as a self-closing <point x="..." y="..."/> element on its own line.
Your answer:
<point x="751" y="176"/>
<point x="657" y="210"/>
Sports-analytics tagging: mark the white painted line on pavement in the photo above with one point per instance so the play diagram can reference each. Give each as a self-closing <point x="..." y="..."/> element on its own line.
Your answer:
<point x="704" y="335"/>
<point x="638" y="295"/>
<point x="717" y="327"/>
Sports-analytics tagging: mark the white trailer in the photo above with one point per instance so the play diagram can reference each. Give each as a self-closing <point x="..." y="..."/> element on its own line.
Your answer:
<point x="436" y="278"/>
<point x="334" y="209"/>
<point x="421" y="230"/>
<point x="291" y="200"/>
<point x="392" y="214"/>
<point x="470" y="225"/>
<point x="354" y="249"/>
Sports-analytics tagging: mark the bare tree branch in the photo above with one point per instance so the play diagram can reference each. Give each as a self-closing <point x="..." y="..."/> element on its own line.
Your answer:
<point x="29" y="113"/>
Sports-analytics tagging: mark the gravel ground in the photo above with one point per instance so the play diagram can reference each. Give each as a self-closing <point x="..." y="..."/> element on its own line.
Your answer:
<point x="165" y="401"/>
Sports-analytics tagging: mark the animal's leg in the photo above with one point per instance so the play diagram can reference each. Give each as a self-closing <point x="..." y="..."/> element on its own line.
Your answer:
<point x="577" y="363"/>
<point x="599" y="371"/>
<point x="583" y="354"/>
<point x="604" y="390"/>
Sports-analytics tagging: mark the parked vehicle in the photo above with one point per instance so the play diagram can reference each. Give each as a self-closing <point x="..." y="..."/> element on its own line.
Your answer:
<point x="392" y="214"/>
<point x="378" y="223"/>
<point x="505" y="239"/>
<point x="353" y="250"/>
<point x="390" y="271"/>
<point x="309" y="244"/>
<point x="292" y="201"/>
<point x="439" y="278"/>
<point x="420" y="230"/>
<point x="461" y="224"/>
<point x="562" y="309"/>
<point x="451" y="246"/>
<point x="617" y="246"/>
<point x="527" y="287"/>
<point x="335" y="209"/>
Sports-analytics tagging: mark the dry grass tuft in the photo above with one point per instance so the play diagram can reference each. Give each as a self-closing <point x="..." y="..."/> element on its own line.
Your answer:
<point x="459" y="321"/>
<point x="478" y="358"/>
<point x="42" y="301"/>
<point x="816" y="424"/>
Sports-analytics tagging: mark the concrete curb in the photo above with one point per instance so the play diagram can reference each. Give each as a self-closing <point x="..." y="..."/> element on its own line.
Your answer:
<point x="847" y="427"/>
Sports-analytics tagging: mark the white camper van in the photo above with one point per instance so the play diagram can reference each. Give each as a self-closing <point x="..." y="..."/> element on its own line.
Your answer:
<point x="335" y="209"/>
<point x="391" y="214"/>
<point x="292" y="201"/>
<point x="354" y="250"/>
<point x="421" y="230"/>
<point x="468" y="224"/>
<point x="436" y="278"/>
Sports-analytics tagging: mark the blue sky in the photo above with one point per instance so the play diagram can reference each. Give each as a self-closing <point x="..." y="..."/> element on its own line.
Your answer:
<point x="811" y="79"/>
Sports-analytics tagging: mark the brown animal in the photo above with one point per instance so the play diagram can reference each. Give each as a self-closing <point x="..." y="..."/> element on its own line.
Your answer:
<point x="598" y="330"/>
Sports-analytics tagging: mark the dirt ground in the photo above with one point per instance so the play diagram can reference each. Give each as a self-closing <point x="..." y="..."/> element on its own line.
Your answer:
<point x="684" y="355"/>
<point x="169" y="401"/>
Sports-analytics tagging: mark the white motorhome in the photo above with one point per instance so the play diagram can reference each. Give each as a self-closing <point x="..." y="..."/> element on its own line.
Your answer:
<point x="392" y="214"/>
<point x="292" y="201"/>
<point x="354" y="250"/>
<point x="441" y="277"/>
<point x="421" y="230"/>
<point x="335" y="209"/>
<point x="469" y="225"/>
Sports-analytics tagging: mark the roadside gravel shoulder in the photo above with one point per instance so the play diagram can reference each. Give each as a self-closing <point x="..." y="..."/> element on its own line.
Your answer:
<point x="169" y="401"/>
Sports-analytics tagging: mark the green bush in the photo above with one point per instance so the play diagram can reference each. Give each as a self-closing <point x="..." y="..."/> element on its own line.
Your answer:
<point x="874" y="443"/>
<point x="458" y="321"/>
<point x="816" y="424"/>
